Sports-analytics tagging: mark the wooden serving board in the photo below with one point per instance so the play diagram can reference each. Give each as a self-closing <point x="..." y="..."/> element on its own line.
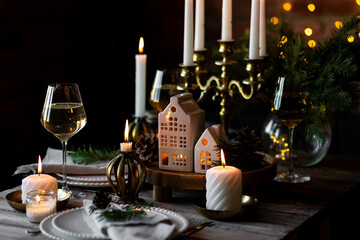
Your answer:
<point x="164" y="181"/>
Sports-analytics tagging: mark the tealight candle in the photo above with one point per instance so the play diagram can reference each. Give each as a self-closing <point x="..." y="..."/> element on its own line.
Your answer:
<point x="126" y="146"/>
<point x="223" y="187"/>
<point x="38" y="181"/>
<point x="40" y="204"/>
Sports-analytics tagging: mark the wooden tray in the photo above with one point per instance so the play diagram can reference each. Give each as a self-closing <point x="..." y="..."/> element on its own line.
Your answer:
<point x="164" y="181"/>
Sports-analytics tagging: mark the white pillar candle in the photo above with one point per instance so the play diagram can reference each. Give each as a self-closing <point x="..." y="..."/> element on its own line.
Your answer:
<point x="188" y="33"/>
<point x="199" y="44"/>
<point x="262" y="37"/>
<point x="39" y="205"/>
<point x="254" y="30"/>
<point x="226" y="23"/>
<point x="126" y="146"/>
<point x="223" y="188"/>
<point x="38" y="181"/>
<point x="140" y="81"/>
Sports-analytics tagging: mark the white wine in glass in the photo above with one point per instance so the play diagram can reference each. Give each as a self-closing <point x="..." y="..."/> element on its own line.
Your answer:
<point x="291" y="107"/>
<point x="63" y="115"/>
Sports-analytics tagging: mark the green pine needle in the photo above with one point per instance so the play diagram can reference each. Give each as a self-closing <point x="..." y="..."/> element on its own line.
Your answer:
<point x="83" y="156"/>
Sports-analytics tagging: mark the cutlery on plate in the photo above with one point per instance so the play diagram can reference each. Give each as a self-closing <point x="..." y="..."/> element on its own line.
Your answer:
<point x="197" y="228"/>
<point x="33" y="231"/>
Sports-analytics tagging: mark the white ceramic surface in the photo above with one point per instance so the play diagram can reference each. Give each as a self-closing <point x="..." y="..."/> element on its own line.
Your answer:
<point x="60" y="226"/>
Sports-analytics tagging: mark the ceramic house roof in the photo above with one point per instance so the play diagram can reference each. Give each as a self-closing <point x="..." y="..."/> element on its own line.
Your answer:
<point x="186" y="102"/>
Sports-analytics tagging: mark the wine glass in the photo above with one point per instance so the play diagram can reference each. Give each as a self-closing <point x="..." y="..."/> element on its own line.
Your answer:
<point x="63" y="115"/>
<point x="291" y="107"/>
<point x="165" y="85"/>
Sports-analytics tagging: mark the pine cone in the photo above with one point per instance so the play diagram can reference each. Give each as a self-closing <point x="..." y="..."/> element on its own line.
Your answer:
<point x="241" y="152"/>
<point x="247" y="141"/>
<point x="101" y="199"/>
<point x="146" y="147"/>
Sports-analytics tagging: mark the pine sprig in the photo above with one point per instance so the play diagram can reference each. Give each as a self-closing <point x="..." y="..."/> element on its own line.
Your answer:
<point x="83" y="156"/>
<point x="122" y="215"/>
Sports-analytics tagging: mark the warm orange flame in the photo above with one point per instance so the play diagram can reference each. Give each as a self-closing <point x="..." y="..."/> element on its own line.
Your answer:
<point x="126" y="133"/>
<point x="141" y="45"/>
<point x="39" y="165"/>
<point x="223" y="162"/>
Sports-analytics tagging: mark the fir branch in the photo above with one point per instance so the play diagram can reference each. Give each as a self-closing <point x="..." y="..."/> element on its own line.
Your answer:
<point x="122" y="215"/>
<point x="83" y="156"/>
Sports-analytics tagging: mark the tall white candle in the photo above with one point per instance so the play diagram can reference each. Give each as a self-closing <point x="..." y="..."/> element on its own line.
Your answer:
<point x="199" y="44"/>
<point x="223" y="188"/>
<point x="188" y="33"/>
<point x="254" y="30"/>
<point x="262" y="37"/>
<point x="140" y="81"/>
<point x="226" y="23"/>
<point x="38" y="181"/>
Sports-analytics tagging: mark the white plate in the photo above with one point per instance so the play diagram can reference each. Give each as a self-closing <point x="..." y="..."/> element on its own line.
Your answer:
<point x="75" y="224"/>
<point x="88" y="184"/>
<point x="87" y="178"/>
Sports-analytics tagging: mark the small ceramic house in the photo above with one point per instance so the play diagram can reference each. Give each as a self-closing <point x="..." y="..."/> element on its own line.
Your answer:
<point x="205" y="148"/>
<point x="180" y="126"/>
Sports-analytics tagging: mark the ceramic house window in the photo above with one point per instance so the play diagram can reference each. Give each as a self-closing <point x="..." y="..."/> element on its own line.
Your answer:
<point x="180" y="126"/>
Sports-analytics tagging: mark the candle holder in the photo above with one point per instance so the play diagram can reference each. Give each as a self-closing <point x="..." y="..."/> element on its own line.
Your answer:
<point x="40" y="204"/>
<point x="130" y="175"/>
<point x="188" y="74"/>
<point x="140" y="126"/>
<point x="223" y="87"/>
<point x="200" y="60"/>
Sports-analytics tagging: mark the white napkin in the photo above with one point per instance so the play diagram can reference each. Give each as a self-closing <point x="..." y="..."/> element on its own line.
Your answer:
<point x="150" y="227"/>
<point x="52" y="163"/>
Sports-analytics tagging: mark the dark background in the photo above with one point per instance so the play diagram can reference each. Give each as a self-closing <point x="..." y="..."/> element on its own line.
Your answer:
<point x="93" y="43"/>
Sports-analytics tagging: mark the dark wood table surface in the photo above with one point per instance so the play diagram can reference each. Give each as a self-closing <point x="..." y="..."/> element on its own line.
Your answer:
<point x="328" y="207"/>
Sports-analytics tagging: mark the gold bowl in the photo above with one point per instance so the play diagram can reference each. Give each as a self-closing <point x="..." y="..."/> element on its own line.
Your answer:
<point x="248" y="204"/>
<point x="15" y="201"/>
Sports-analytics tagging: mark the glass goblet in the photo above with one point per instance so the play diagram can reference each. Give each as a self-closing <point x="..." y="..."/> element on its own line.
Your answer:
<point x="291" y="107"/>
<point x="63" y="115"/>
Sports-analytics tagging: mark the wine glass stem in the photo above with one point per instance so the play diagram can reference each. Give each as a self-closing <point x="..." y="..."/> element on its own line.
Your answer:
<point x="291" y="141"/>
<point x="65" y="186"/>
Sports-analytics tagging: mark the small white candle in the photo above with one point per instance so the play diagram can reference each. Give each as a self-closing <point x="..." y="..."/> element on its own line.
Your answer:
<point x="188" y="33"/>
<point x="223" y="187"/>
<point x="226" y="23"/>
<point x="39" y="205"/>
<point x="38" y="181"/>
<point x="199" y="44"/>
<point x="262" y="37"/>
<point x="140" y="81"/>
<point x="126" y="146"/>
<point x="254" y="30"/>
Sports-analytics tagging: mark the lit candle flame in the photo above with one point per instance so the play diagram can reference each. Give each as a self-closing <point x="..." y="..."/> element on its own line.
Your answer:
<point x="141" y="45"/>
<point x="37" y="198"/>
<point x="39" y="166"/>
<point x="222" y="155"/>
<point x="126" y="133"/>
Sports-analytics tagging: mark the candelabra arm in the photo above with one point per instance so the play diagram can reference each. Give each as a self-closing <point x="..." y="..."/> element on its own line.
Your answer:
<point x="239" y="87"/>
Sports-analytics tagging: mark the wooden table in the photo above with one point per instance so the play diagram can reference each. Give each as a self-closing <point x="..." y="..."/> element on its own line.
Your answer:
<point x="325" y="208"/>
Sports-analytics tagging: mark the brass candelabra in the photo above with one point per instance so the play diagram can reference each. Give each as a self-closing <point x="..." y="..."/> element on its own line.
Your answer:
<point x="223" y="86"/>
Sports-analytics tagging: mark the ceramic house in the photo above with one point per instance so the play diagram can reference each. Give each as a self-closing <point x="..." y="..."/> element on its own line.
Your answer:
<point x="205" y="148"/>
<point x="180" y="126"/>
